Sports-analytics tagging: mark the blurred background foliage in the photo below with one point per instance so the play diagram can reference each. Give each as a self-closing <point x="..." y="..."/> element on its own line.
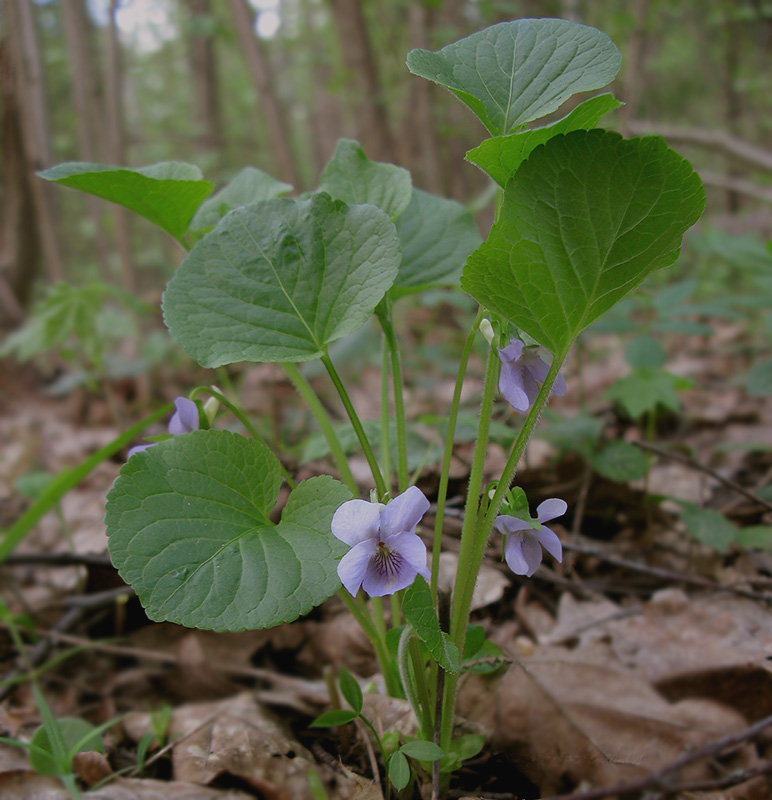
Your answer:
<point x="274" y="84"/>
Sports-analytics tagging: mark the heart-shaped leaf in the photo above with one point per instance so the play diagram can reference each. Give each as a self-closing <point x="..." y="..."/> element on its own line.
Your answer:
<point x="500" y="156"/>
<point x="277" y="281"/>
<point x="519" y="71"/>
<point x="436" y="236"/>
<point x="167" y="194"/>
<point x="249" y="186"/>
<point x="583" y="221"/>
<point x="351" y="176"/>
<point x="189" y="528"/>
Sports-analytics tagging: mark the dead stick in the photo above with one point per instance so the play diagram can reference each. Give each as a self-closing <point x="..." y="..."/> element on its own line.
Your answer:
<point x="690" y="462"/>
<point x="659" y="778"/>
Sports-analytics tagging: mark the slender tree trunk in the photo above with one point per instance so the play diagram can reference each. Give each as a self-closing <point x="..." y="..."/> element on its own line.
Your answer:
<point x="19" y="250"/>
<point x="260" y="70"/>
<point x="26" y="68"/>
<point x="419" y="129"/>
<point x="206" y="100"/>
<point x="731" y="31"/>
<point x="635" y="66"/>
<point x="85" y="96"/>
<point x="371" y="113"/>
<point x="115" y="144"/>
<point x="326" y="107"/>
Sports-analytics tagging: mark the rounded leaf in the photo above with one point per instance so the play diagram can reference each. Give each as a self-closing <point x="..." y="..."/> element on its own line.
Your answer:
<point x="584" y="221"/>
<point x="278" y="280"/>
<point x="189" y="528"/>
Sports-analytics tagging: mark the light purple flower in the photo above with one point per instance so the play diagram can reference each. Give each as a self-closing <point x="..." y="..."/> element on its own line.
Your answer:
<point x="522" y="369"/>
<point x="184" y="420"/>
<point x="386" y="553"/>
<point x="523" y="543"/>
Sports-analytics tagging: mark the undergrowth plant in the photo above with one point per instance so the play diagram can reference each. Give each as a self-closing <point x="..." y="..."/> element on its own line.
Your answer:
<point x="583" y="215"/>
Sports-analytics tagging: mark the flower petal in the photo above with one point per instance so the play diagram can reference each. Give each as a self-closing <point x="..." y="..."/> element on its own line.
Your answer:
<point x="531" y="552"/>
<point x="512" y="351"/>
<point x="403" y="513"/>
<point x="505" y="523"/>
<point x="185" y="418"/>
<point x="559" y="387"/>
<point x="513" y="554"/>
<point x="357" y="521"/>
<point x="536" y="365"/>
<point x="549" y="509"/>
<point x="139" y="448"/>
<point x="352" y="568"/>
<point x="511" y="387"/>
<point x="548" y="539"/>
<point x="412" y="550"/>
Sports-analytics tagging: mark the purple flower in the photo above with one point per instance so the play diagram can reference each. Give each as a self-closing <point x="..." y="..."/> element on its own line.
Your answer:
<point x="523" y="542"/>
<point x="521" y="372"/>
<point x="184" y="420"/>
<point x="386" y="553"/>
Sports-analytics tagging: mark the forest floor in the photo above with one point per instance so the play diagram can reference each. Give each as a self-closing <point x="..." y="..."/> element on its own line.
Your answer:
<point x="638" y="666"/>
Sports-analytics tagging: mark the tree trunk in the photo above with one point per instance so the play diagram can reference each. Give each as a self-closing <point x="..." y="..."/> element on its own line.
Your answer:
<point x="115" y="144"/>
<point x="27" y="75"/>
<point x="369" y="103"/>
<point x="260" y="71"/>
<point x="19" y="250"/>
<point x="85" y="97"/>
<point x="419" y="130"/>
<point x="206" y="100"/>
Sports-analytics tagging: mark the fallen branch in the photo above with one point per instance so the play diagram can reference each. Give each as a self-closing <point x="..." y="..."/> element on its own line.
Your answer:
<point x="661" y="779"/>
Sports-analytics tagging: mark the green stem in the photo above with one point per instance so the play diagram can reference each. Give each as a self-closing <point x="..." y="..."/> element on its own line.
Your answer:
<point x="367" y="624"/>
<point x="358" y="429"/>
<point x="383" y="313"/>
<point x="385" y="443"/>
<point x="442" y="492"/>
<point x="243" y="419"/>
<point x="323" y="421"/>
<point x="473" y="545"/>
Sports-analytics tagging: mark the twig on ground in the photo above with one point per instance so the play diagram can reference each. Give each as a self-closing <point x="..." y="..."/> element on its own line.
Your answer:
<point x="696" y="465"/>
<point x="661" y="779"/>
<point x="666" y="574"/>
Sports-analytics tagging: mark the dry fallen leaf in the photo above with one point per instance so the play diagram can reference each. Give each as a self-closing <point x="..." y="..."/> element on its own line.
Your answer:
<point x="572" y="716"/>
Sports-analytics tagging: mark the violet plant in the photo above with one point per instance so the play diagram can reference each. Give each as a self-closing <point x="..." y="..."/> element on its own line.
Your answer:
<point x="583" y="216"/>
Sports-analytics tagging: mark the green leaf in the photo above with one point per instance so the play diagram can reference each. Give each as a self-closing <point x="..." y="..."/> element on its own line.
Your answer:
<point x="436" y="236"/>
<point x="422" y="750"/>
<point x="501" y="156"/>
<point x="645" y="352"/>
<point x="277" y="281"/>
<point x="189" y="529"/>
<point x="73" y="731"/>
<point x="758" y="381"/>
<point x="756" y="537"/>
<point x="338" y="716"/>
<point x="584" y="220"/>
<point x="708" y="527"/>
<point x="351" y="689"/>
<point x="418" y="608"/>
<point x="167" y="194"/>
<point x="351" y="176"/>
<point x="249" y="186"/>
<point x="620" y="461"/>
<point x="643" y="390"/>
<point x="399" y="771"/>
<point x="66" y="312"/>
<point x="515" y="72"/>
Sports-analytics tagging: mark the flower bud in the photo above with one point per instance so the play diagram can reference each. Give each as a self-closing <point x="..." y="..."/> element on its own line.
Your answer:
<point x="486" y="329"/>
<point x="211" y="407"/>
